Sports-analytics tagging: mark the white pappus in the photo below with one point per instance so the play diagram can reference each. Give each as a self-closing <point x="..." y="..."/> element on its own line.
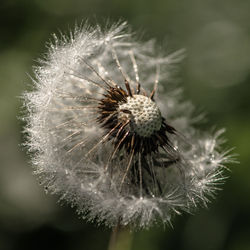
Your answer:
<point x="111" y="142"/>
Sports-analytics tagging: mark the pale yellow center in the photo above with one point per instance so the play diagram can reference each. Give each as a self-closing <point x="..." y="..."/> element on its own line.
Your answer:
<point x="144" y="115"/>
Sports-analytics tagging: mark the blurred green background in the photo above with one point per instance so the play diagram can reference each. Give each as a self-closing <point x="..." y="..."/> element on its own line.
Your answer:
<point x="215" y="75"/>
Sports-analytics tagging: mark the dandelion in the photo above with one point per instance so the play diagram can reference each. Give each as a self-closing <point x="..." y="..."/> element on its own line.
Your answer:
<point x="111" y="135"/>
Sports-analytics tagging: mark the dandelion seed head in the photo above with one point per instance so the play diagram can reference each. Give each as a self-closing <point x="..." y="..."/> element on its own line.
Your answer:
<point x="111" y="135"/>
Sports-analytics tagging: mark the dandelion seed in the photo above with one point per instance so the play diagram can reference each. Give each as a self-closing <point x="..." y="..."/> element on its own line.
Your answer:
<point x="105" y="124"/>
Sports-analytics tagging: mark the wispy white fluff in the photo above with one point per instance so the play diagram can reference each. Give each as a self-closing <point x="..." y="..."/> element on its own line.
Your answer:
<point x="61" y="130"/>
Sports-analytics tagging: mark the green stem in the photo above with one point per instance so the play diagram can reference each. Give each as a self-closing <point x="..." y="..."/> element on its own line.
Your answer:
<point x="120" y="239"/>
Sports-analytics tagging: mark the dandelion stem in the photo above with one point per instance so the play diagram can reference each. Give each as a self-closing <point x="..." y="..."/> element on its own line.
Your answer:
<point x="120" y="239"/>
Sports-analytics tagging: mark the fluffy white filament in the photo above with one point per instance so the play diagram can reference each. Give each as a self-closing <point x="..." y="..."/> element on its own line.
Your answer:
<point x="68" y="146"/>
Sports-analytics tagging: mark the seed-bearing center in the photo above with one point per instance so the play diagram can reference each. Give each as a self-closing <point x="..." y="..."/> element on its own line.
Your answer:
<point x="144" y="115"/>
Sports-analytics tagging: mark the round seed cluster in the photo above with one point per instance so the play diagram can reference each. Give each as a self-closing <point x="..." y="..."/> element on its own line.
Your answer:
<point x="145" y="116"/>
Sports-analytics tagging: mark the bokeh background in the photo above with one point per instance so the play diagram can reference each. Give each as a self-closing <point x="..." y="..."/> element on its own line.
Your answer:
<point x="215" y="76"/>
